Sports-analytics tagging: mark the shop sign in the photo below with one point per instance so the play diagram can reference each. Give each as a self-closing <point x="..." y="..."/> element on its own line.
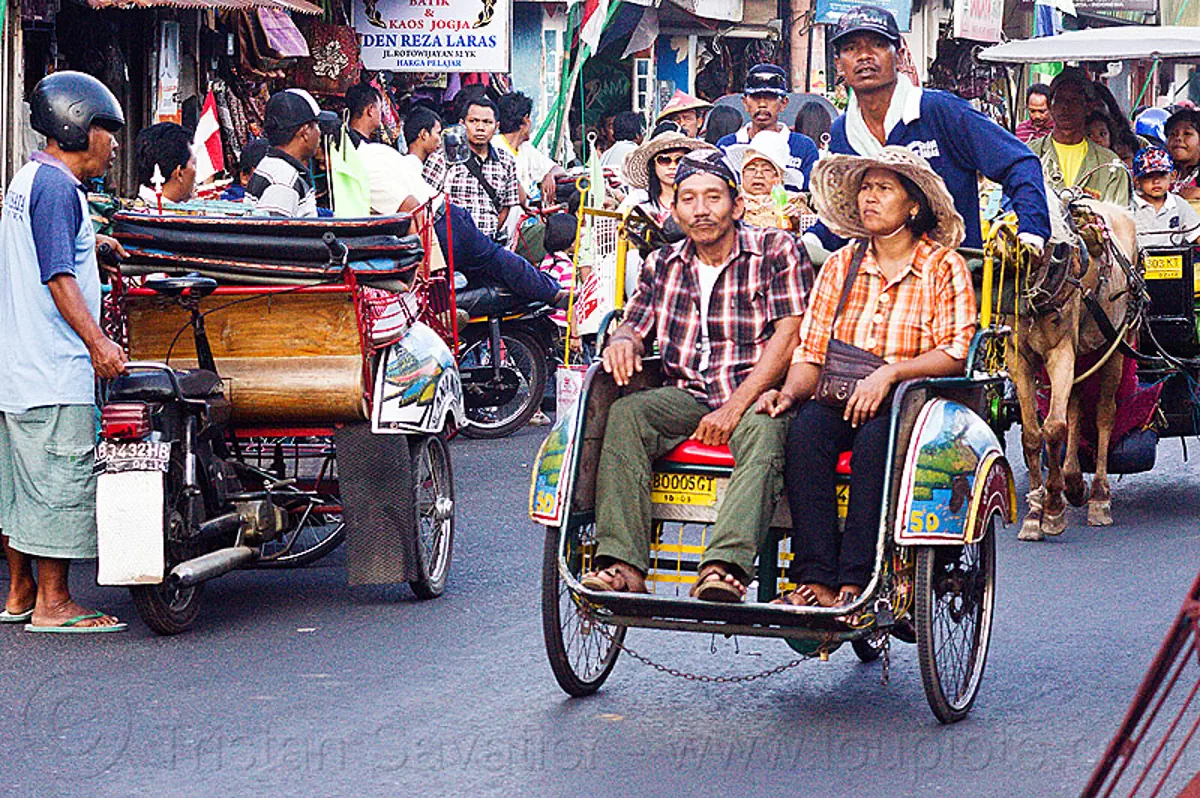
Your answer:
<point x="830" y="11"/>
<point x="434" y="35"/>
<point x="978" y="20"/>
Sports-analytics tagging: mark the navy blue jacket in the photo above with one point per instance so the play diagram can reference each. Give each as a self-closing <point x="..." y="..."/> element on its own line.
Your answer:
<point x="958" y="141"/>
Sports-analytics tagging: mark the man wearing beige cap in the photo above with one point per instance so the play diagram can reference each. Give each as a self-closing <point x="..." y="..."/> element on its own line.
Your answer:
<point x="686" y="111"/>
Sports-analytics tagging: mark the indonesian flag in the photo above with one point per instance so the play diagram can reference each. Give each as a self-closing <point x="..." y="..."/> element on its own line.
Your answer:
<point x="210" y="158"/>
<point x="591" y="25"/>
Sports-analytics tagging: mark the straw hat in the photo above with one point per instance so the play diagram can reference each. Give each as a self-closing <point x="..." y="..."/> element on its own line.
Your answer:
<point x="637" y="164"/>
<point x="836" y="179"/>
<point x="771" y="146"/>
<point x="681" y="102"/>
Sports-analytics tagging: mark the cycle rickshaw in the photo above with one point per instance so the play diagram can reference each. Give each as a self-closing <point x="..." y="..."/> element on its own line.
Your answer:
<point x="934" y="576"/>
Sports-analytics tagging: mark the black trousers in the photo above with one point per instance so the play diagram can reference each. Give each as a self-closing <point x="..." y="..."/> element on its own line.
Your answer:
<point x="815" y="439"/>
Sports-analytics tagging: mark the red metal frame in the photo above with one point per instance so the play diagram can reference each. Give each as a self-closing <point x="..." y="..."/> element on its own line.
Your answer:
<point x="1180" y="649"/>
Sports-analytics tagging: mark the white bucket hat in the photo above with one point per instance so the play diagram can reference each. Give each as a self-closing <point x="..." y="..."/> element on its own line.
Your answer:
<point x="771" y="146"/>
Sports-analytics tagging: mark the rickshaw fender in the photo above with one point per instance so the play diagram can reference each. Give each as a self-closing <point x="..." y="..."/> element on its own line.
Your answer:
<point x="417" y="386"/>
<point x="955" y="478"/>
<point x="548" y="489"/>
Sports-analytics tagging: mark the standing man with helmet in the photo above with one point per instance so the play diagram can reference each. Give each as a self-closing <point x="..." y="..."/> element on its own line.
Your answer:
<point x="53" y="351"/>
<point x="887" y="108"/>
<point x="764" y="97"/>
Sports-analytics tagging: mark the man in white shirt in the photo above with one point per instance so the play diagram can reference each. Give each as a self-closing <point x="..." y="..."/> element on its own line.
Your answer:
<point x="627" y="130"/>
<point x="398" y="184"/>
<point x="535" y="169"/>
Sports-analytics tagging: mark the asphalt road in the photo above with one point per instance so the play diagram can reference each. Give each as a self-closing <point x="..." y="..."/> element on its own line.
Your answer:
<point x="292" y="683"/>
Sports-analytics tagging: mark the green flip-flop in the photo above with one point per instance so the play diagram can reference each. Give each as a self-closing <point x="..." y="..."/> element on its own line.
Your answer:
<point x="71" y="627"/>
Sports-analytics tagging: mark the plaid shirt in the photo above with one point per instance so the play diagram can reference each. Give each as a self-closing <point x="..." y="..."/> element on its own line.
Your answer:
<point x="465" y="191"/>
<point x="929" y="305"/>
<point x="767" y="277"/>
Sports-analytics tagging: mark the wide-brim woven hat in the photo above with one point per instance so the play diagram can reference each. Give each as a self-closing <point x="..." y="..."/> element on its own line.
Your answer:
<point x="836" y="179"/>
<point x="638" y="163"/>
<point x="681" y="101"/>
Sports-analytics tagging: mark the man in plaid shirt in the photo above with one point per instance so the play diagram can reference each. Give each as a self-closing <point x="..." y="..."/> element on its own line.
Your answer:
<point x="724" y="306"/>
<point x="496" y="166"/>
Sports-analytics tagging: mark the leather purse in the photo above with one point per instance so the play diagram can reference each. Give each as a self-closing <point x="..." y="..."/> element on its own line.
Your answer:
<point x="845" y="364"/>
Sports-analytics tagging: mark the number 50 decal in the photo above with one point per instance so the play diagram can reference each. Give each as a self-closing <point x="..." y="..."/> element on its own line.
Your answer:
<point x="921" y="522"/>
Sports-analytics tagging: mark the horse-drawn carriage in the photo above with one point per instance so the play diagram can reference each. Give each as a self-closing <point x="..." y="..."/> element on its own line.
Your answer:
<point x="292" y="383"/>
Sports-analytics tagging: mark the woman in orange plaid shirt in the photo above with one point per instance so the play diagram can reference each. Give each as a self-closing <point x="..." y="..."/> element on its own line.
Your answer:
<point x="906" y="298"/>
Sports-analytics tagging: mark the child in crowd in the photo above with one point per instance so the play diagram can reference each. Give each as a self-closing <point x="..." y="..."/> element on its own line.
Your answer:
<point x="559" y="262"/>
<point x="1164" y="219"/>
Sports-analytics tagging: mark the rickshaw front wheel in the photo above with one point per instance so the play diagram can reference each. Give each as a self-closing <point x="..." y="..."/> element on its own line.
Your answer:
<point x="955" y="595"/>
<point x="582" y="651"/>
<point x="434" y="494"/>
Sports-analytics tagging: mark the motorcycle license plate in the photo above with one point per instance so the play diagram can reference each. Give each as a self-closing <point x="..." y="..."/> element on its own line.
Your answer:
<point x="689" y="489"/>
<point x="1164" y="267"/>
<point x="113" y="458"/>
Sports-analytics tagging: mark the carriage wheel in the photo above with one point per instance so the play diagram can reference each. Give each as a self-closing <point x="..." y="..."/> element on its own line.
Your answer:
<point x="434" y="484"/>
<point x="581" y="655"/>
<point x="317" y="531"/>
<point x="955" y="594"/>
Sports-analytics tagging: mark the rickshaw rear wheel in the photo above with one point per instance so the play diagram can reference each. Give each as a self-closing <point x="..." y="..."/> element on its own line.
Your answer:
<point x="582" y="652"/>
<point x="954" y="600"/>
<point x="433" y="483"/>
<point x="169" y="610"/>
<point x="525" y="355"/>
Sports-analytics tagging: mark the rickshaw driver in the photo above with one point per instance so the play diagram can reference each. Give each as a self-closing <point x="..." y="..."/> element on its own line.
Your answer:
<point x="725" y="307"/>
<point x="959" y="142"/>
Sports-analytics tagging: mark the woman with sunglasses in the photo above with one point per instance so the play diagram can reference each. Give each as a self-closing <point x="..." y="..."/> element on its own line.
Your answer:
<point x="650" y="170"/>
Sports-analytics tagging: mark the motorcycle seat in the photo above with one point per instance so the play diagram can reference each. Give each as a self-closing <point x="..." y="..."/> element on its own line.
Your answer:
<point x="156" y="385"/>
<point x="490" y="300"/>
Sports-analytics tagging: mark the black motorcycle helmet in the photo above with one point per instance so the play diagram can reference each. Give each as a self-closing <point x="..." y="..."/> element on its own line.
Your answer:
<point x="65" y="105"/>
<point x="454" y="140"/>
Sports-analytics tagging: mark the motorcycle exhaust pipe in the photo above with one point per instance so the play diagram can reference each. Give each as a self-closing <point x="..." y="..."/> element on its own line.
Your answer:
<point x="208" y="566"/>
<point x="222" y="525"/>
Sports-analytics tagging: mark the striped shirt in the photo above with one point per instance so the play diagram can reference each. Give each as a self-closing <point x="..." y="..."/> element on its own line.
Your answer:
<point x="766" y="278"/>
<point x="929" y="305"/>
<point x="280" y="187"/>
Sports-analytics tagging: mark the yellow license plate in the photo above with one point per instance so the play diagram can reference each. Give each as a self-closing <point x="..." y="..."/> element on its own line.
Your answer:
<point x="1164" y="267"/>
<point x="843" y="500"/>
<point x="690" y="489"/>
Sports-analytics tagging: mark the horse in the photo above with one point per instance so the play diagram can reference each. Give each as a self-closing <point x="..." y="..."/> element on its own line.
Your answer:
<point x="1064" y="304"/>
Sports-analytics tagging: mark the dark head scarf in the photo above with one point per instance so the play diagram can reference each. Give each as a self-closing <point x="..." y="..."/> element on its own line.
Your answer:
<point x="708" y="162"/>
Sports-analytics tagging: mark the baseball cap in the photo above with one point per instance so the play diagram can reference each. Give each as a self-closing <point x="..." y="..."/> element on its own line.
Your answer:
<point x="766" y="79"/>
<point x="1151" y="161"/>
<point x="867" y="19"/>
<point x="294" y="107"/>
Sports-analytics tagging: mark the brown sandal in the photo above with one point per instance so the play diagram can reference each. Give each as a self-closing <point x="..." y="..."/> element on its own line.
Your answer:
<point x="711" y="586"/>
<point x="855" y="619"/>
<point x="616" y="578"/>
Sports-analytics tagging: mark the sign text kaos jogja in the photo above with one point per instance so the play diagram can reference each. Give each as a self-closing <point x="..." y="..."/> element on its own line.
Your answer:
<point x="434" y="35"/>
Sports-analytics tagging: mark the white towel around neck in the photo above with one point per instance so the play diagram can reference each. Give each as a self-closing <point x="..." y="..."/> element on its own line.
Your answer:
<point x="905" y="106"/>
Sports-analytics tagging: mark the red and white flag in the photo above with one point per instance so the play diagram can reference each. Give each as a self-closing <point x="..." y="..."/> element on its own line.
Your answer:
<point x="210" y="157"/>
<point x="591" y="26"/>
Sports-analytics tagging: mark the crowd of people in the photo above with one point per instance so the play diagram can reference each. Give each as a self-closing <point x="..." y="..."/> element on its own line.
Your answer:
<point x="743" y="322"/>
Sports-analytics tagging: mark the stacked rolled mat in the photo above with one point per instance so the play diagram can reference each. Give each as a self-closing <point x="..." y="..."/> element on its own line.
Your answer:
<point x="271" y="251"/>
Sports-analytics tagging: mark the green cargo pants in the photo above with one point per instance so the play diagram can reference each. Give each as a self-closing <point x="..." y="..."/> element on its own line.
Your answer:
<point x="648" y="424"/>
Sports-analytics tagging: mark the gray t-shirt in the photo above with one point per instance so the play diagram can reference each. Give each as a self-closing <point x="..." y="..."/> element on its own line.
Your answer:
<point x="45" y="231"/>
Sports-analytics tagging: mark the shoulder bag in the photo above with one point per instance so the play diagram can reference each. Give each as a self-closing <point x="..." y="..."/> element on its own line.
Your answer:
<point x="845" y="364"/>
